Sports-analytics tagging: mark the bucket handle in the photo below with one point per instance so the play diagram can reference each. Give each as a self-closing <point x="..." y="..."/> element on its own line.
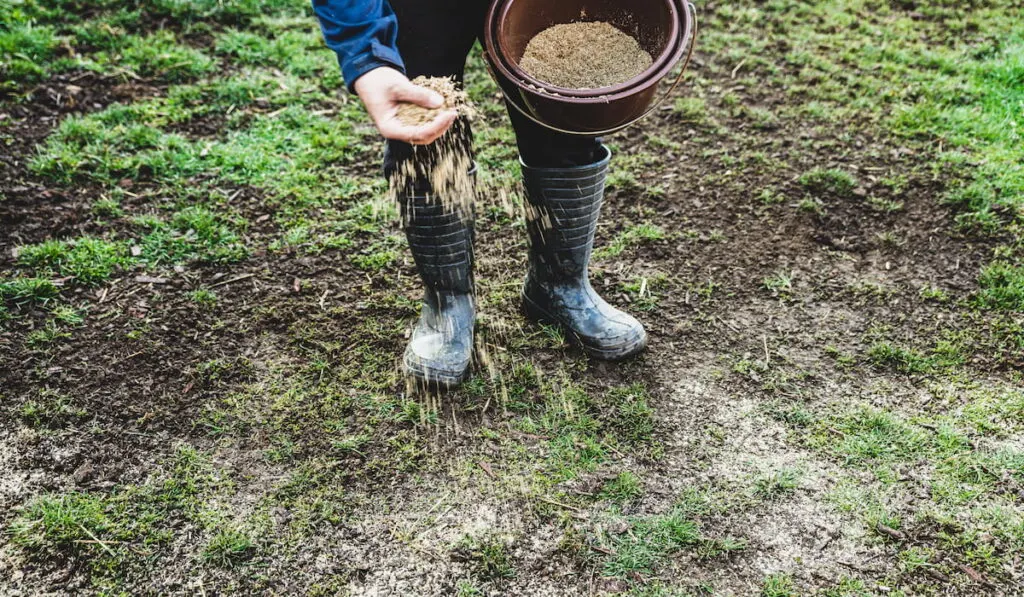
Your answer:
<point x="689" y="54"/>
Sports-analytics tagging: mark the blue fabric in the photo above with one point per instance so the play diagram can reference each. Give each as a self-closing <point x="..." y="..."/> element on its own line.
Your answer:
<point x="364" y="34"/>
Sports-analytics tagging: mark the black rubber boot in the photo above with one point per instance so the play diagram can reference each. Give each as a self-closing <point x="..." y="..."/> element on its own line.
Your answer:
<point x="441" y="239"/>
<point x="563" y="205"/>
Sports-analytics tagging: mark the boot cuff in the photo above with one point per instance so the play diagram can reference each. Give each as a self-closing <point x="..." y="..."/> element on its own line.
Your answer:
<point x="579" y="171"/>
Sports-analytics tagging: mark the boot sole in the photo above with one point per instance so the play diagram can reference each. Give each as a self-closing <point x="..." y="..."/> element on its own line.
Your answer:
<point x="538" y="314"/>
<point x="432" y="379"/>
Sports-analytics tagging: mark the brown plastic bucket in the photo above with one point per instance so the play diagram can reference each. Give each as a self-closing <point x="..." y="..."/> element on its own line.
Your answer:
<point x="587" y="112"/>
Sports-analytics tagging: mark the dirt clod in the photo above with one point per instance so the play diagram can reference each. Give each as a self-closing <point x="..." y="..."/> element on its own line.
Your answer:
<point x="584" y="56"/>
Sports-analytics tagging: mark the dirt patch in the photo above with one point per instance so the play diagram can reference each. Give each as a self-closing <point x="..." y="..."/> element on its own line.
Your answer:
<point x="585" y="55"/>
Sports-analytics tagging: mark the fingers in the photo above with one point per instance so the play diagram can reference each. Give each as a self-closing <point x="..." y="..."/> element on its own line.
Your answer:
<point x="418" y="135"/>
<point x="414" y="94"/>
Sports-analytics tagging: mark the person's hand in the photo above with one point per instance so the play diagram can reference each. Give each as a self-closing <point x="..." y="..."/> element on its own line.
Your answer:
<point x="384" y="89"/>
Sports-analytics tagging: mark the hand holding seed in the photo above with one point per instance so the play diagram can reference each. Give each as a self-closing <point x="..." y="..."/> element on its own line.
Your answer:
<point x="385" y="91"/>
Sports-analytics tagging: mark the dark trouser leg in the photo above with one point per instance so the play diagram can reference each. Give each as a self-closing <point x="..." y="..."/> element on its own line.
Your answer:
<point x="564" y="178"/>
<point x="433" y="41"/>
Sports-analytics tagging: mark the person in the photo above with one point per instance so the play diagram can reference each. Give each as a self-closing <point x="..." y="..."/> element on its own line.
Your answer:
<point x="380" y="46"/>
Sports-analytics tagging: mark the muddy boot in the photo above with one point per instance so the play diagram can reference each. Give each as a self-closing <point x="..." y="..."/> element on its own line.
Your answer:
<point x="563" y="205"/>
<point x="441" y="240"/>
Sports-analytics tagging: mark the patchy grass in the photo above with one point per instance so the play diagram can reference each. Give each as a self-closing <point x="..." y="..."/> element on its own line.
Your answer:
<point x="105" y="529"/>
<point x="50" y="409"/>
<point x="158" y="56"/>
<point x="778" y="585"/>
<point x="236" y="148"/>
<point x="488" y="556"/>
<point x="626" y="486"/>
<point x="777" y="483"/>
<point x="87" y="260"/>
<point x="645" y="542"/>
<point x="228" y="548"/>
<point x="1002" y="286"/>
<point x="22" y="291"/>
<point x="832" y="181"/>
<point x="630" y="237"/>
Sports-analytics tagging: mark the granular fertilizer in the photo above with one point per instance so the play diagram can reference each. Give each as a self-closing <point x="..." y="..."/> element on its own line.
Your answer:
<point x="584" y="56"/>
<point x="446" y="163"/>
<point x="454" y="99"/>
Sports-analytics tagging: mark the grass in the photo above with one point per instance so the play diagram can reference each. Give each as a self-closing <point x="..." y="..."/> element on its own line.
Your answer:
<point x="488" y="556"/>
<point x="104" y="529"/>
<point x="157" y="56"/>
<point x="777" y="483"/>
<point x="1002" y="286"/>
<point x="228" y="548"/>
<point x="50" y="409"/>
<point x="780" y="284"/>
<point x="947" y="354"/>
<point x="948" y="84"/>
<point x="625" y="487"/>
<point x="87" y="260"/>
<point x="633" y="235"/>
<point x="37" y="39"/>
<point x="647" y="543"/>
<point x="204" y="297"/>
<point x="690" y="109"/>
<point x="778" y="585"/>
<point x="21" y="291"/>
<point x="62" y="521"/>
<point x="194" y="233"/>
<point x="832" y="181"/>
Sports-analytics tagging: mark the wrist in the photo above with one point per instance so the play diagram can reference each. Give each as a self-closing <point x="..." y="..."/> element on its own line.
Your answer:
<point x="374" y="77"/>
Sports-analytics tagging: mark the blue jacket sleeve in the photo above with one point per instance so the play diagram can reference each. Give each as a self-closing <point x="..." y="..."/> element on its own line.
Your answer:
<point x="364" y="34"/>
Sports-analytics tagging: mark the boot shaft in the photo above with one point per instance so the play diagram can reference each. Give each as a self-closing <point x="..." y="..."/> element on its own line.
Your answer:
<point x="440" y="234"/>
<point x="562" y="209"/>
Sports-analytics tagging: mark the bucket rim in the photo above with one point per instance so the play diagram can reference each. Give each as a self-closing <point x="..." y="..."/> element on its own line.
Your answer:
<point x="636" y="85"/>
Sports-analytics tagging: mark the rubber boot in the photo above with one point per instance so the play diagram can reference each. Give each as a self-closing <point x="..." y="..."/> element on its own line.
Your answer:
<point x="441" y="239"/>
<point x="563" y="205"/>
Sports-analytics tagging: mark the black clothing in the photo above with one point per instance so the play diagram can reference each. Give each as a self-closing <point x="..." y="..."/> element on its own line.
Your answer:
<point x="434" y="39"/>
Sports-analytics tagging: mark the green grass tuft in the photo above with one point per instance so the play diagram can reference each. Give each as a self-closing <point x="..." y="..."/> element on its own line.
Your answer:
<point x="228" y="548"/>
<point x="633" y="235"/>
<point x="778" y="585"/>
<point x="489" y="557"/>
<point x="54" y="522"/>
<point x="192" y="233"/>
<point x="647" y="542"/>
<point x="22" y="291"/>
<point x="159" y="56"/>
<point x="776" y="484"/>
<point x="1002" y="287"/>
<point x="625" y="487"/>
<point x="87" y="260"/>
<point x="831" y="181"/>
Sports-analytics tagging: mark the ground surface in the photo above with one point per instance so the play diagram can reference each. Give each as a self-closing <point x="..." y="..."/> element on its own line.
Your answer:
<point x="204" y="299"/>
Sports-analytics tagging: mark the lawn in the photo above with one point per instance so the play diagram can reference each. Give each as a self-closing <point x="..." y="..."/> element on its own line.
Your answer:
<point x="205" y="295"/>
